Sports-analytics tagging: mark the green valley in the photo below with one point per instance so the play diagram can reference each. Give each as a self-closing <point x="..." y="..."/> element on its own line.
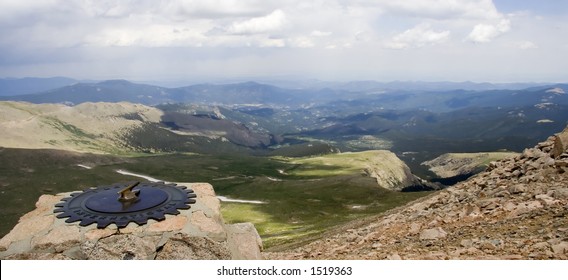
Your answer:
<point x="297" y="205"/>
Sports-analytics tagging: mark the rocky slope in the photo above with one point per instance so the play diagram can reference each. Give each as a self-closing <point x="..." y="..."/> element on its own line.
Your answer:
<point x="516" y="209"/>
<point x="392" y="173"/>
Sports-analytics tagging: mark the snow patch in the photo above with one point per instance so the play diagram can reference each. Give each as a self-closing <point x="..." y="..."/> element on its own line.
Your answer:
<point x="544" y="105"/>
<point x="84" y="166"/>
<point x="151" y="179"/>
<point x="545" y="121"/>
<point x="556" y="91"/>
<point x="226" y="199"/>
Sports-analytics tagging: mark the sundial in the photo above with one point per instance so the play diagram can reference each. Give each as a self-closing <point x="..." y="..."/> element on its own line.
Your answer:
<point x="123" y="203"/>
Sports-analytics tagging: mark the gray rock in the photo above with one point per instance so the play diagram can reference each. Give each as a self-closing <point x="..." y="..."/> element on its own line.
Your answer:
<point x="549" y="162"/>
<point x="488" y="203"/>
<point x="59" y="239"/>
<point x="394" y="256"/>
<point x="487" y="246"/>
<point x="184" y="247"/>
<point x="560" y="194"/>
<point x="432" y="234"/>
<point x="120" y="247"/>
<point x="560" y="248"/>
<point x="244" y="241"/>
<point x="466" y="243"/>
<point x="517" y="189"/>
<point x="560" y="143"/>
<point x="414" y="228"/>
<point x="37" y="256"/>
<point x="541" y="246"/>
<point x="376" y="245"/>
<point x="75" y="253"/>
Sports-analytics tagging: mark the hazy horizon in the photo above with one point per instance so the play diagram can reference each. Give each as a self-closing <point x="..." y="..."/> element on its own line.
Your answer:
<point x="277" y="80"/>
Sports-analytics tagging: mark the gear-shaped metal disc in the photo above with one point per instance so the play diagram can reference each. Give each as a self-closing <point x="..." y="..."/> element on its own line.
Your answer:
<point x="123" y="203"/>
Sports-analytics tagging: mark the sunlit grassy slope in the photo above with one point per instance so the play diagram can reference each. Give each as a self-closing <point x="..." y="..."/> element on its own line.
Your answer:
<point x="345" y="163"/>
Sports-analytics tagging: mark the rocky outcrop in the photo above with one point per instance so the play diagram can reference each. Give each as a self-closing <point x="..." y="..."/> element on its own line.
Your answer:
<point x="395" y="176"/>
<point x="516" y="209"/>
<point x="459" y="164"/>
<point x="560" y="143"/>
<point x="391" y="172"/>
<point x="196" y="233"/>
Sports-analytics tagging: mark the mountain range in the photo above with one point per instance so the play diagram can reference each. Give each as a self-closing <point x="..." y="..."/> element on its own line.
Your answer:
<point x="349" y="116"/>
<point x="19" y="86"/>
<point x="448" y="96"/>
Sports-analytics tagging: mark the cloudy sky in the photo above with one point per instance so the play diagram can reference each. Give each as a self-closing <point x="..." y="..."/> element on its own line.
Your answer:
<point x="384" y="40"/>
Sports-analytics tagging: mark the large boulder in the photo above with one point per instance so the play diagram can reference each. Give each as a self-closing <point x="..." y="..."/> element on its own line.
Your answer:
<point x="560" y="143"/>
<point x="196" y="233"/>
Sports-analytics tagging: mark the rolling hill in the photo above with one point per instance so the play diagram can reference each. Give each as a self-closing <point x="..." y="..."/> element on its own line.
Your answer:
<point x="106" y="91"/>
<point x="119" y="128"/>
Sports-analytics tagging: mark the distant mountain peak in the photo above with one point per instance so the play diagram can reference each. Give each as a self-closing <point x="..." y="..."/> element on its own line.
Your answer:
<point x="251" y="83"/>
<point x="115" y="82"/>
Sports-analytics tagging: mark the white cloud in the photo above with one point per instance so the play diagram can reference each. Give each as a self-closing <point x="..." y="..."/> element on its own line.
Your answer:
<point x="483" y="33"/>
<point x="441" y="9"/>
<point x="527" y="45"/>
<point x="271" y="22"/>
<point x="271" y="43"/>
<point x="162" y="36"/>
<point x="149" y="23"/>
<point x="343" y="33"/>
<point x="318" y="33"/>
<point x="217" y="9"/>
<point x="12" y="9"/>
<point x="419" y="36"/>
<point x="301" y="42"/>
